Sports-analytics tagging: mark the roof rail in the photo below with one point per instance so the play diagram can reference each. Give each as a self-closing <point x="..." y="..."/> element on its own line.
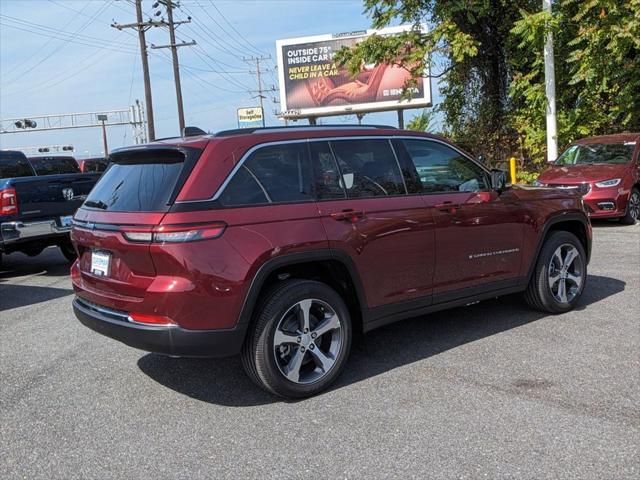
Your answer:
<point x="246" y="131"/>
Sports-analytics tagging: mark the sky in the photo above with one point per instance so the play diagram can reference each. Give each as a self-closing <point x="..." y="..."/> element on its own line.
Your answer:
<point x="94" y="67"/>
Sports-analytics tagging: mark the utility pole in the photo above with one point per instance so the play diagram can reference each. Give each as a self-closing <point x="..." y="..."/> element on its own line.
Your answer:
<point x="550" y="90"/>
<point x="142" y="27"/>
<point x="174" y="54"/>
<point x="260" y="92"/>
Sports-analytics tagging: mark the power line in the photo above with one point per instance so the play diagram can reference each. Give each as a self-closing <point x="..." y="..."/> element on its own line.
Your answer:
<point x="62" y="76"/>
<point x="168" y="4"/>
<point x="72" y="37"/>
<point x="219" y="42"/>
<point x="28" y="59"/>
<point x="242" y="48"/>
<point x="260" y="91"/>
<point x="141" y="28"/>
<point x="234" y="29"/>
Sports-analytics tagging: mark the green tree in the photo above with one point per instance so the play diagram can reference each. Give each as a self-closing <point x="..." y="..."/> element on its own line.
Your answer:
<point x="489" y="54"/>
<point x="597" y="52"/>
<point x="422" y="122"/>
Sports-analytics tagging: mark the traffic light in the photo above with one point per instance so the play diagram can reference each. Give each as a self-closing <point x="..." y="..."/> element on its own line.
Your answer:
<point x="43" y="150"/>
<point x="26" y="123"/>
<point x="67" y="148"/>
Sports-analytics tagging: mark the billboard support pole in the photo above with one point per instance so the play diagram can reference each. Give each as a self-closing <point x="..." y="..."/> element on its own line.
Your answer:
<point x="401" y="119"/>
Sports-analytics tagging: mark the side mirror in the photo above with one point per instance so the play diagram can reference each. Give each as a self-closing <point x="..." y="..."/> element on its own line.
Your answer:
<point x="482" y="159"/>
<point x="498" y="179"/>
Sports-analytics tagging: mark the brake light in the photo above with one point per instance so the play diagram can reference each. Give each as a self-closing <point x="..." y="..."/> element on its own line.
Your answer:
<point x="8" y="201"/>
<point x="184" y="233"/>
<point x="146" y="319"/>
<point x="176" y="233"/>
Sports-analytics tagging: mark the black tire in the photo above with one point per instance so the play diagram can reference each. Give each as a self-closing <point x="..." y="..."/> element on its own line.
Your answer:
<point x="540" y="294"/>
<point x="633" y="208"/>
<point x="68" y="251"/>
<point x="263" y="361"/>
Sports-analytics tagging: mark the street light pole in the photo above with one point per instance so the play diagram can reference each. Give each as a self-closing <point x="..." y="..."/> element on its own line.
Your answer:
<point x="103" y="119"/>
<point x="550" y="90"/>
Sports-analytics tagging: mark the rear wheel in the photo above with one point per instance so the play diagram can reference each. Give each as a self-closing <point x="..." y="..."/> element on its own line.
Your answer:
<point x="633" y="208"/>
<point x="300" y="341"/>
<point x="68" y="251"/>
<point x="559" y="276"/>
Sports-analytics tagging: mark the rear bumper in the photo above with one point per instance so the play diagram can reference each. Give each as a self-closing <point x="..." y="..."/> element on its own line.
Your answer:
<point x="172" y="340"/>
<point x="17" y="231"/>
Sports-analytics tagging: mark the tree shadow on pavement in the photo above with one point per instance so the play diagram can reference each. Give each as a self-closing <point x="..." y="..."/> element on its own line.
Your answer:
<point x="223" y="382"/>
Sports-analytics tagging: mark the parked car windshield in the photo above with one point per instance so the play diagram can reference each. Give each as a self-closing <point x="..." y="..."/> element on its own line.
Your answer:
<point x="596" y="153"/>
<point x="14" y="165"/>
<point x="54" y="165"/>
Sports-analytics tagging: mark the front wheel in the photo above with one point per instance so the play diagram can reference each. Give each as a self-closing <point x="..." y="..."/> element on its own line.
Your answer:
<point x="560" y="274"/>
<point x="300" y="341"/>
<point x="633" y="208"/>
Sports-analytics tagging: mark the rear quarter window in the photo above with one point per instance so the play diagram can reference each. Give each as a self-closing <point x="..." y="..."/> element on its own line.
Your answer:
<point x="13" y="166"/>
<point x="271" y="174"/>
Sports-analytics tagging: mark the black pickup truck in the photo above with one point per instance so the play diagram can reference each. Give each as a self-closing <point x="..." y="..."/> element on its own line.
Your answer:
<point x="36" y="209"/>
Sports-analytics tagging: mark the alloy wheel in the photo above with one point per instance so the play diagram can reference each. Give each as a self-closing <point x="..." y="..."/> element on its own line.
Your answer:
<point x="307" y="341"/>
<point x="634" y="206"/>
<point x="565" y="273"/>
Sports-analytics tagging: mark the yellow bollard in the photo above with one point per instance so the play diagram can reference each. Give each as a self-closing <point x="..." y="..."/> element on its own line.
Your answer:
<point x="512" y="169"/>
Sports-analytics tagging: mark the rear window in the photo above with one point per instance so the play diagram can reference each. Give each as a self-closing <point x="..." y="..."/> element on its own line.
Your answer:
<point x="54" y="165"/>
<point x="140" y="183"/>
<point x="12" y="166"/>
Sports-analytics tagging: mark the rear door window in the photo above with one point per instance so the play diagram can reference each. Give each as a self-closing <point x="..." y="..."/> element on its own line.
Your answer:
<point x="141" y="183"/>
<point x="272" y="174"/>
<point x="327" y="183"/>
<point x="368" y="168"/>
<point x="13" y="166"/>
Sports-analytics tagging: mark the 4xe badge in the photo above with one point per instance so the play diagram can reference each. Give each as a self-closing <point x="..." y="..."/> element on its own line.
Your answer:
<point x="67" y="193"/>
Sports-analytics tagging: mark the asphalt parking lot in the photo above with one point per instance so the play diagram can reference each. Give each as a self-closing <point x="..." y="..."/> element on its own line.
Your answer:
<point x="492" y="390"/>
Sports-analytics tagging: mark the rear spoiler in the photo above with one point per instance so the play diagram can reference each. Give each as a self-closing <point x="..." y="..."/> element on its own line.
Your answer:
<point x="153" y="154"/>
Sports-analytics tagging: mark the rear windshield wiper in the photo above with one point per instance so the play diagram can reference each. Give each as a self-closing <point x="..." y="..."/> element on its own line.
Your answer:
<point x="99" y="204"/>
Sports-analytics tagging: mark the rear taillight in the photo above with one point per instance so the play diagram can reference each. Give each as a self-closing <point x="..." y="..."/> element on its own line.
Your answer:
<point x="175" y="233"/>
<point x="8" y="201"/>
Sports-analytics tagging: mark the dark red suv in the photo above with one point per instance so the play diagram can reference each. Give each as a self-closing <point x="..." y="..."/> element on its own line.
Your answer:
<point x="606" y="171"/>
<point x="283" y="243"/>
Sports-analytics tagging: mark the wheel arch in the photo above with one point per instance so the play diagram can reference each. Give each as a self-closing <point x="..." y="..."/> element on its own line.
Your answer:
<point x="575" y="223"/>
<point x="332" y="267"/>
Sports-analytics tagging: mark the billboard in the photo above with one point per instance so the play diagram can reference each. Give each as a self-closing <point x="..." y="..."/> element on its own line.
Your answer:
<point x="250" y="117"/>
<point x="311" y="84"/>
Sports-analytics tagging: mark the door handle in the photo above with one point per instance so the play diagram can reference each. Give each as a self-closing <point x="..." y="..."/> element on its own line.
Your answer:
<point x="348" y="215"/>
<point x="448" y="207"/>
